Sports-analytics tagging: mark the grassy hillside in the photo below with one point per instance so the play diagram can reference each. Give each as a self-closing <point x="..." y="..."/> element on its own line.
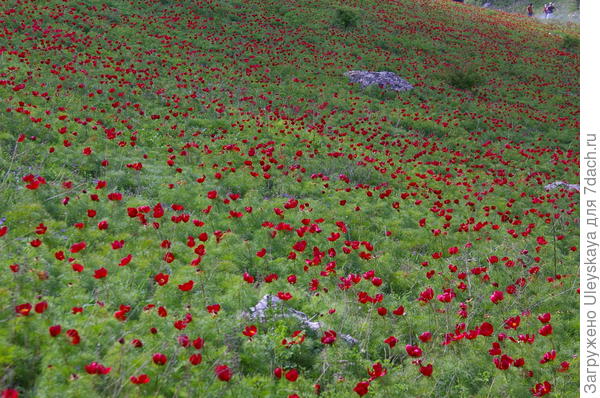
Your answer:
<point x="165" y="165"/>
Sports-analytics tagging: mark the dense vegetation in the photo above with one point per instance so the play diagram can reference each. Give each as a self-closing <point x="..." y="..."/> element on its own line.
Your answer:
<point x="164" y="165"/>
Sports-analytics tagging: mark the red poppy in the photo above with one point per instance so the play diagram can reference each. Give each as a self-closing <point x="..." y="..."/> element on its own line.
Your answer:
<point x="159" y="359"/>
<point x="497" y="296"/>
<point x="545" y="330"/>
<point x="486" y="329"/>
<point x="213" y="309"/>
<point x="141" y="379"/>
<point x="413" y="350"/>
<point x="54" y="330"/>
<point x="23" y="309"/>
<point x="541" y="389"/>
<point x="391" y="341"/>
<point x="291" y="375"/>
<point x="250" y="331"/>
<point x="399" y="311"/>
<point x="362" y="388"/>
<point x="100" y="273"/>
<point x="223" y="372"/>
<point x="161" y="279"/>
<point x="41" y="307"/>
<point x="329" y="337"/>
<point x="425" y="337"/>
<point x="187" y="286"/>
<point x="195" y="359"/>
<point x="426" y="370"/>
<point x="545" y="318"/>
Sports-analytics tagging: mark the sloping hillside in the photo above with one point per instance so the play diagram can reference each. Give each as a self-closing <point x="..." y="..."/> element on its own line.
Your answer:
<point x="165" y="165"/>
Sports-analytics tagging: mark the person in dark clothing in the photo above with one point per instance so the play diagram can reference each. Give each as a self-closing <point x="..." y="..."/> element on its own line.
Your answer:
<point x="530" y="10"/>
<point x="551" y="9"/>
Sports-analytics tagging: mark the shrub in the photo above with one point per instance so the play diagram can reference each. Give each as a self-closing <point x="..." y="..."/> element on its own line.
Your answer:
<point x="345" y="18"/>
<point x="570" y="43"/>
<point x="464" y="79"/>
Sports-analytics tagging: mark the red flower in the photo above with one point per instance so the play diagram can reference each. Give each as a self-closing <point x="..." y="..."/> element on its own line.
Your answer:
<point x="94" y="368"/>
<point x="137" y="343"/>
<point x="391" y="341"/>
<point x="159" y="359"/>
<point x="329" y="337"/>
<point x="426" y="370"/>
<point x="41" y="307"/>
<point x="277" y="372"/>
<point x="564" y="366"/>
<point x="425" y="337"/>
<point x="426" y="295"/>
<point x="248" y="278"/>
<point x="213" y="309"/>
<point x="184" y="287"/>
<point x="549" y="356"/>
<point x="77" y="247"/>
<point x="413" y="351"/>
<point x="362" y="388"/>
<point x="398" y="311"/>
<point x="23" y="309"/>
<point x="544" y="318"/>
<point x="161" y="279"/>
<point x="486" y="329"/>
<point x="541" y="240"/>
<point x="100" y="273"/>
<point x="545" y="330"/>
<point x="198" y="343"/>
<point x="250" y="331"/>
<point x="284" y="296"/>
<point x="292" y="375"/>
<point x="74" y="336"/>
<point x="54" y="330"/>
<point x="503" y="362"/>
<point x="541" y="389"/>
<point x="125" y="260"/>
<point x="10" y="393"/>
<point x="512" y="322"/>
<point x="223" y="372"/>
<point x="377" y="371"/>
<point x="497" y="296"/>
<point x="299" y="246"/>
<point x="141" y="379"/>
<point x="195" y="359"/>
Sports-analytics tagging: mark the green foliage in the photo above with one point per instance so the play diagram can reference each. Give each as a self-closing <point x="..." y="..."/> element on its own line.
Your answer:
<point x="570" y="43"/>
<point x="345" y="18"/>
<point x="464" y="79"/>
<point x="176" y="99"/>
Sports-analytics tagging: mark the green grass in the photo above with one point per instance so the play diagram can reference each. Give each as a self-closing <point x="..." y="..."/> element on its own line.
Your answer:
<point x="166" y="102"/>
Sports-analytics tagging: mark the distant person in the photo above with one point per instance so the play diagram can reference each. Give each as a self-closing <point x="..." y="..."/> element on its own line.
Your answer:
<point x="530" y="10"/>
<point x="551" y="9"/>
<point x="546" y="10"/>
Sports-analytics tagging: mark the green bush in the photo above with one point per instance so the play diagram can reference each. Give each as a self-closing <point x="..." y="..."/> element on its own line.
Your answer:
<point x="570" y="43"/>
<point x="345" y="18"/>
<point x="464" y="79"/>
